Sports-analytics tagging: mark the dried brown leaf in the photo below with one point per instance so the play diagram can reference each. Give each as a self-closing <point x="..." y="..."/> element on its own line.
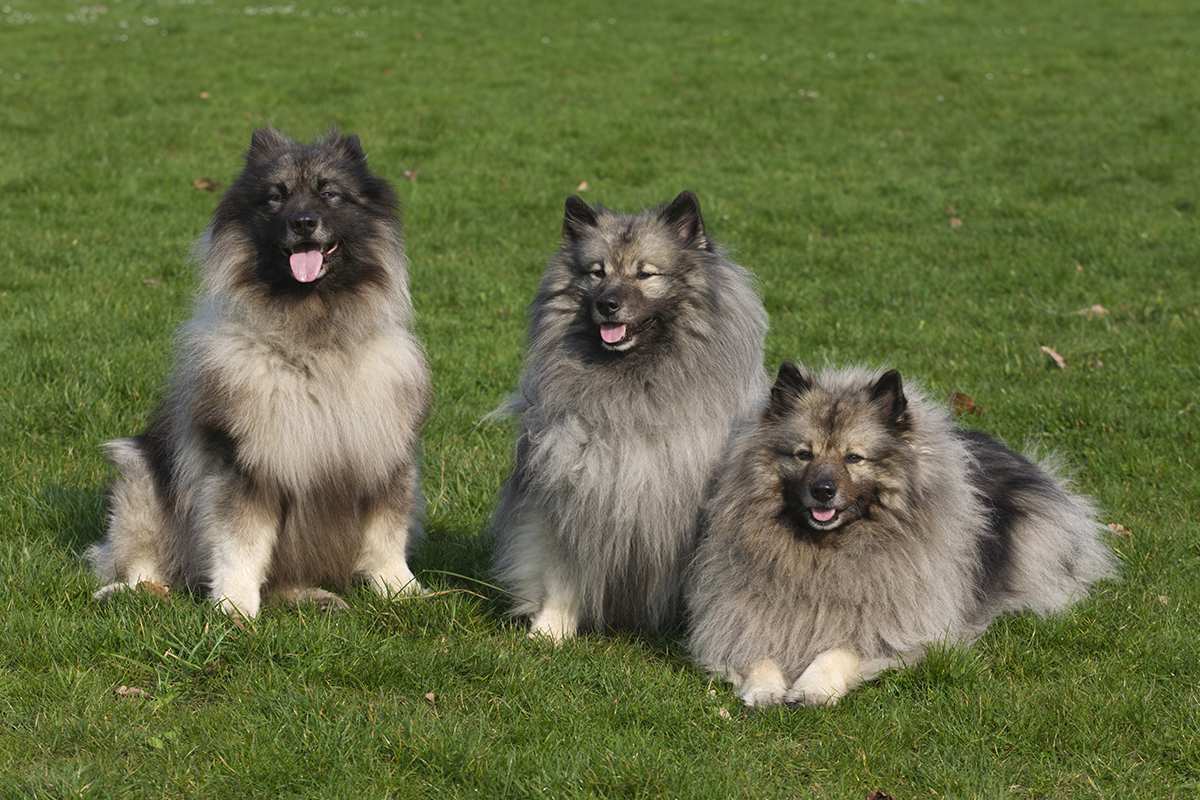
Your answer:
<point x="131" y="692"/>
<point x="1078" y="267"/>
<point x="961" y="403"/>
<point x="955" y="222"/>
<point x="1164" y="600"/>
<point x="205" y="185"/>
<point x="410" y="175"/>
<point x="1120" y="530"/>
<point x="431" y="697"/>
<point x="205" y="95"/>
<point x="154" y="588"/>
<point x="582" y="187"/>
<point x="723" y="713"/>
<point x="1058" y="360"/>
<point x="1093" y="311"/>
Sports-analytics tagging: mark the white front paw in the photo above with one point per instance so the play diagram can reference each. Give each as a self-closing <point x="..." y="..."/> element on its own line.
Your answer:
<point x="243" y="607"/>
<point x="553" y="624"/>
<point x="396" y="584"/>
<point x="815" y="690"/>
<point x="761" y="696"/>
<point x="763" y="685"/>
<point x="826" y="680"/>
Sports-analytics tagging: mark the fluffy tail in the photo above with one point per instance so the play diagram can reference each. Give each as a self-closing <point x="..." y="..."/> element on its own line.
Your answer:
<point x="134" y="542"/>
<point x="1061" y="546"/>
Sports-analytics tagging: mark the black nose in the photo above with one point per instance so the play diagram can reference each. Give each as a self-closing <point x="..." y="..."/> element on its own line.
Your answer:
<point x="608" y="306"/>
<point x="823" y="491"/>
<point x="304" y="223"/>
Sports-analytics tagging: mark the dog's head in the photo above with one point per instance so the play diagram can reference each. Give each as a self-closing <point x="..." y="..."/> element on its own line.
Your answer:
<point x="313" y="214"/>
<point x="632" y="274"/>
<point x="833" y="445"/>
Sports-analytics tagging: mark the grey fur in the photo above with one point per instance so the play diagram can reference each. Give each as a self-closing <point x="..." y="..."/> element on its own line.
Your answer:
<point x="285" y="451"/>
<point x="945" y="531"/>
<point x="599" y="515"/>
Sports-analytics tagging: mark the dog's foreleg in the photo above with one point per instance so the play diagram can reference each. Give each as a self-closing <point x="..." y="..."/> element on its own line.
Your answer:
<point x="558" y="618"/>
<point x="383" y="557"/>
<point x="237" y="529"/>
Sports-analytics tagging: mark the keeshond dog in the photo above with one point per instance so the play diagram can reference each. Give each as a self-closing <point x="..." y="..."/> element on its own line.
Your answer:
<point x="645" y="345"/>
<point x="855" y="525"/>
<point x="285" y="452"/>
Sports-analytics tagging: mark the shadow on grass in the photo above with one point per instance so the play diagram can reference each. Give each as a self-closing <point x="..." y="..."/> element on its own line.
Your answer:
<point x="73" y="516"/>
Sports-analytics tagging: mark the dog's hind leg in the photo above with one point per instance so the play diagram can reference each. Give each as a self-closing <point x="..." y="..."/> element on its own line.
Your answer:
<point x="133" y="549"/>
<point x="392" y="524"/>
<point x="311" y="595"/>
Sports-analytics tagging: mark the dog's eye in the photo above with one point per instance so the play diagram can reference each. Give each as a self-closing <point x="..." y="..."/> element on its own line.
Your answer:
<point x="803" y="455"/>
<point x="646" y="271"/>
<point x="329" y="195"/>
<point x="596" y="270"/>
<point x="854" y="458"/>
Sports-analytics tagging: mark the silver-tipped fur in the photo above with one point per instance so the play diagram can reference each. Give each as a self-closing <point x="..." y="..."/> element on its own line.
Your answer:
<point x="855" y="525"/>
<point x="645" y="345"/>
<point x="285" y="452"/>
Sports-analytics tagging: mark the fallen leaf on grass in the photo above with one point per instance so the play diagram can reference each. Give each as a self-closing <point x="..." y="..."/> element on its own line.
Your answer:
<point x="582" y="187"/>
<point x="431" y="697"/>
<point x="723" y="713"/>
<point x="154" y="588"/>
<point x="1120" y="530"/>
<point x="1093" y="311"/>
<point x="410" y="175"/>
<point x="955" y="222"/>
<point x="1166" y="601"/>
<point x="131" y="691"/>
<point x="204" y="95"/>
<point x="205" y="185"/>
<point x="961" y="403"/>
<point x="1058" y="360"/>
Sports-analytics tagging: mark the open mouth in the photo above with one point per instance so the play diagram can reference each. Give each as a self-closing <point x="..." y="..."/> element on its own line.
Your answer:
<point x="309" y="261"/>
<point x="824" y="519"/>
<point x="620" y="336"/>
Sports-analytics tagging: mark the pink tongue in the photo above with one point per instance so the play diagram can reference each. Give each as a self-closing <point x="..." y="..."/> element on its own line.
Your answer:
<point x="612" y="334"/>
<point x="306" y="265"/>
<point x="823" y="514"/>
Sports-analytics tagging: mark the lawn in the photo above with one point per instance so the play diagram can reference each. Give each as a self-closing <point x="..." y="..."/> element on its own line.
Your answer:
<point x="942" y="186"/>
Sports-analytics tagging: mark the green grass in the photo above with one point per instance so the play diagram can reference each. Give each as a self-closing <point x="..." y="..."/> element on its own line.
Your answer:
<point x="831" y="145"/>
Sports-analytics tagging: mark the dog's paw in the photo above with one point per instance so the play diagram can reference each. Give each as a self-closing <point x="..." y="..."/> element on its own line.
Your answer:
<point x="826" y="680"/>
<point x="238" y="610"/>
<point x="312" y="596"/>
<point x="763" y="685"/>
<point x="396" y="585"/>
<point x="761" y="696"/>
<point x="553" y="625"/>
<point x="814" y="695"/>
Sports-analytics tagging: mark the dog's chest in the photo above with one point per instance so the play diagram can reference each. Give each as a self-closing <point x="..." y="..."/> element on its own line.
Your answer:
<point x="305" y="418"/>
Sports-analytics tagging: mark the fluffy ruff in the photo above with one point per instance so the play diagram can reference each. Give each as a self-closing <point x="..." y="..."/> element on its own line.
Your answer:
<point x="645" y="346"/>
<point x="285" y="452"/>
<point x="854" y="526"/>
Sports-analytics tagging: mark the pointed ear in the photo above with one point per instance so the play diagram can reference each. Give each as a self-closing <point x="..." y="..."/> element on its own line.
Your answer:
<point x="888" y="392"/>
<point x="266" y="144"/>
<point x="790" y="385"/>
<point x="683" y="216"/>
<point x="578" y="218"/>
<point x="351" y="147"/>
